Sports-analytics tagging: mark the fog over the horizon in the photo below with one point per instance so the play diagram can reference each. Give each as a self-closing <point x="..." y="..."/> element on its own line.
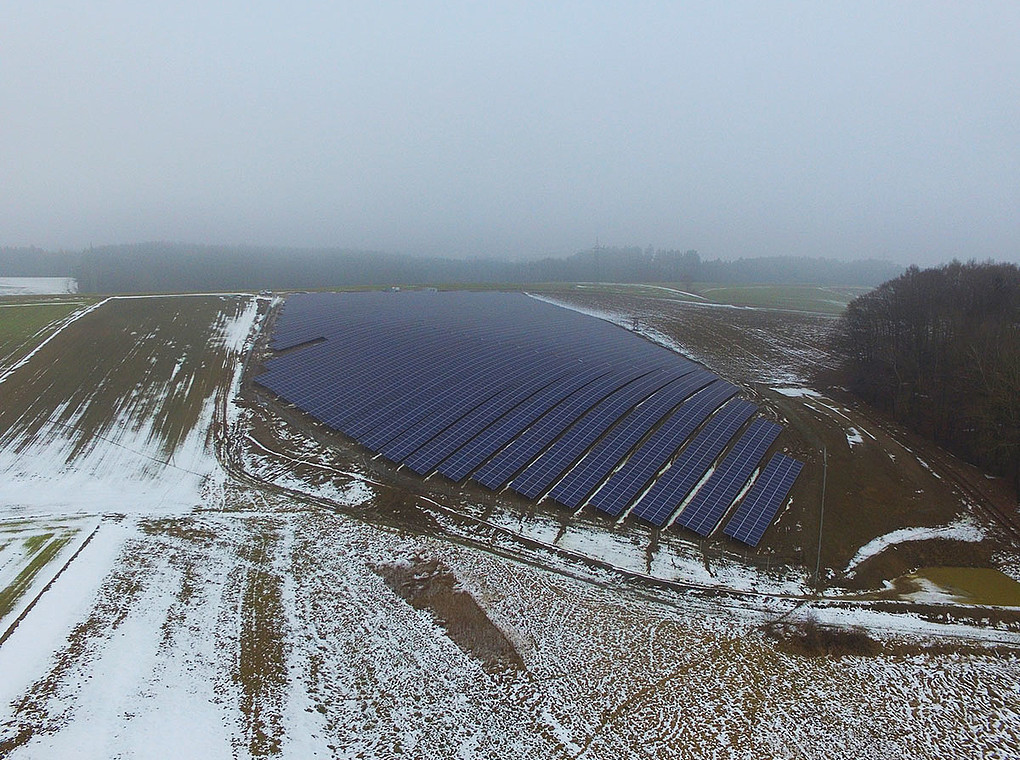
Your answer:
<point x="848" y="130"/>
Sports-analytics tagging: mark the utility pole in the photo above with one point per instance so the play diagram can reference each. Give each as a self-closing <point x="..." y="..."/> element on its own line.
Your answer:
<point x="821" y="514"/>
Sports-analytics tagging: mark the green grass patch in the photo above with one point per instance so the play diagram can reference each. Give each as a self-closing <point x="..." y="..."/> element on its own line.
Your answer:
<point x="37" y="542"/>
<point x="826" y="300"/>
<point x="24" y="326"/>
<point x="10" y="595"/>
<point x="672" y="292"/>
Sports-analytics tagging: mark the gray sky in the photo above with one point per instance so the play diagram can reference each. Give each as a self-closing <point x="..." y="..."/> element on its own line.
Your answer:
<point x="886" y="129"/>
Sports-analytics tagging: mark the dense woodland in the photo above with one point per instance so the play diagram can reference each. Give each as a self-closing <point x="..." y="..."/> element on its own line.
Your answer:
<point x="939" y="349"/>
<point x="169" y="267"/>
<point x="35" y="262"/>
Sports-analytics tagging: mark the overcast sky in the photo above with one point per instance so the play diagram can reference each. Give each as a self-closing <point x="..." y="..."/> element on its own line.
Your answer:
<point x="886" y="129"/>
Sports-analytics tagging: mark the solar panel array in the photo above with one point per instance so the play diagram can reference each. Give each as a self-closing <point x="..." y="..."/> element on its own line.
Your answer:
<point x="604" y="456"/>
<point x="763" y="500"/>
<point x="564" y="452"/>
<point x="712" y="500"/>
<point x="672" y="488"/>
<point x="640" y="467"/>
<point x="507" y="389"/>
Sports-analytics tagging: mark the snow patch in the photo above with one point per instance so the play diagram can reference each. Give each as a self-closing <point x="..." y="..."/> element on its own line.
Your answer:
<point x="37" y="286"/>
<point x="797" y="392"/>
<point x="27" y="654"/>
<point x="927" y="466"/>
<point x="964" y="530"/>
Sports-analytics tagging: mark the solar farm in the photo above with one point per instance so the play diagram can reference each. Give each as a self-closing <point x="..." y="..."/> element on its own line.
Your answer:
<point x="512" y="392"/>
<point x="582" y="523"/>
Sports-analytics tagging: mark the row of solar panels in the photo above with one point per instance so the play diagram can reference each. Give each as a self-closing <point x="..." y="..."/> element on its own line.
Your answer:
<point x="515" y="392"/>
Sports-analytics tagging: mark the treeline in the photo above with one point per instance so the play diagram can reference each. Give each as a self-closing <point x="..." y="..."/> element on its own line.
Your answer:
<point x="170" y="267"/>
<point x="939" y="349"/>
<point x="35" y="262"/>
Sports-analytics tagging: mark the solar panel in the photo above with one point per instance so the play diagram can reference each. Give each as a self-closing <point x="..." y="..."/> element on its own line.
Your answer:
<point x="470" y="393"/>
<point x="426" y="458"/>
<point x="633" y="476"/>
<point x="400" y="403"/>
<point x="311" y="375"/>
<point x="607" y="453"/>
<point x="690" y="466"/>
<point x="712" y="500"/>
<point x="530" y="443"/>
<point x="495" y="385"/>
<point x="458" y="391"/>
<point x="507" y="427"/>
<point x="763" y="500"/>
<point x="565" y="451"/>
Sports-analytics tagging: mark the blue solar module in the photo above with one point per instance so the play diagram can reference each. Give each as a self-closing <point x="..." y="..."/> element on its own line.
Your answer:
<point x="447" y="406"/>
<point x="763" y="500"/>
<point x="540" y="474"/>
<point x="311" y="375"/>
<point x="493" y="438"/>
<point x="483" y="375"/>
<point x="429" y="427"/>
<point x="498" y="470"/>
<point x="641" y="466"/>
<point x="307" y="316"/>
<point x="383" y="414"/>
<point x="715" y="496"/>
<point x="494" y="385"/>
<point x="626" y="482"/>
<point x="692" y="463"/>
<point x="426" y="458"/>
<point x="610" y="451"/>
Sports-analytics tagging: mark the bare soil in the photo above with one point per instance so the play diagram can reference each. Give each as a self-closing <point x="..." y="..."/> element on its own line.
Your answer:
<point x="428" y="584"/>
<point x="808" y="639"/>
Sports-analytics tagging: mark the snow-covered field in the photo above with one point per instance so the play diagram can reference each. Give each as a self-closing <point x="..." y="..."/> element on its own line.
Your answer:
<point x="37" y="286"/>
<point x="229" y="601"/>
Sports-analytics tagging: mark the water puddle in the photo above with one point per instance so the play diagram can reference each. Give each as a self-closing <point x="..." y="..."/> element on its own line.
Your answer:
<point x="967" y="585"/>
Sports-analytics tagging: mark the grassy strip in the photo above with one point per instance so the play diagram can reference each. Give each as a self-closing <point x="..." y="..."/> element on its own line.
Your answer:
<point x="23" y="582"/>
<point x="22" y="328"/>
<point x="825" y="300"/>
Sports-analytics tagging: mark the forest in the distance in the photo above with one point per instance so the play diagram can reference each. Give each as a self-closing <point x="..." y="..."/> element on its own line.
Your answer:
<point x="175" y="267"/>
<point x="939" y="350"/>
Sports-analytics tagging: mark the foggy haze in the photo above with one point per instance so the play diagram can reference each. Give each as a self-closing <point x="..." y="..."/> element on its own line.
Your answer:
<point x="849" y="130"/>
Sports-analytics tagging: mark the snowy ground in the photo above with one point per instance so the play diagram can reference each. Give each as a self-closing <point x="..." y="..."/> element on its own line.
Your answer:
<point x="37" y="286"/>
<point x="208" y="615"/>
<point x="962" y="530"/>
